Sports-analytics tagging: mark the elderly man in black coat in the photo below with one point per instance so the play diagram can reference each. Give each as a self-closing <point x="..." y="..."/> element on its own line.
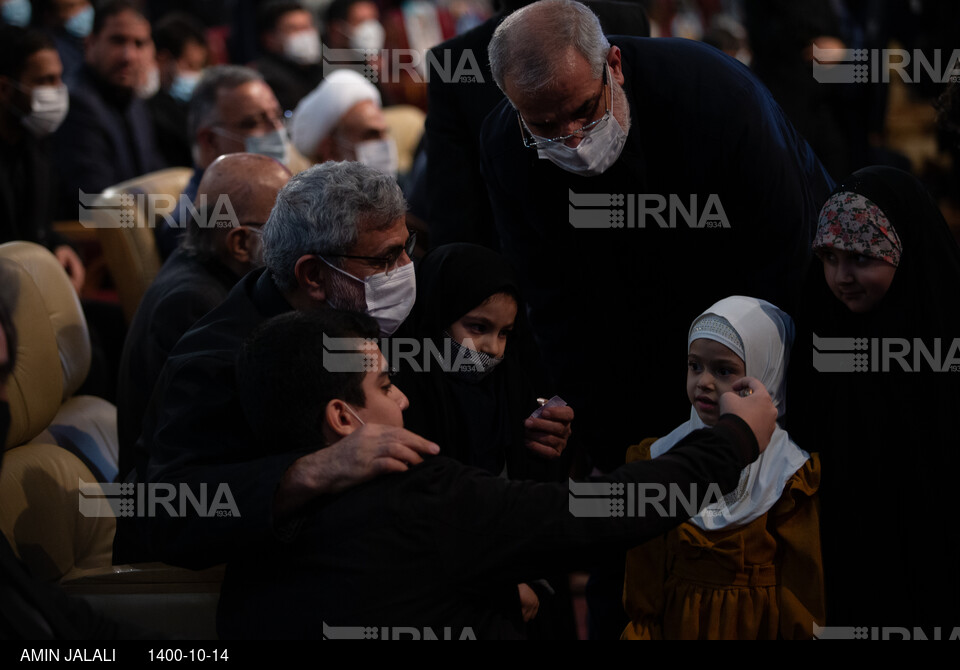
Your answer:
<point x="634" y="182"/>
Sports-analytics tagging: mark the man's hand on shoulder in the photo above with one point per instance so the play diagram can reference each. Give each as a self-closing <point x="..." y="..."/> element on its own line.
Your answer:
<point x="750" y="401"/>
<point x="369" y="451"/>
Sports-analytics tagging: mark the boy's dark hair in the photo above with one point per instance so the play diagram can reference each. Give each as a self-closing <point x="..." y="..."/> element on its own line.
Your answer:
<point x="16" y="46"/>
<point x="9" y="283"/>
<point x="282" y="381"/>
<point x="268" y="15"/>
<point x="113" y="8"/>
<point x="174" y="31"/>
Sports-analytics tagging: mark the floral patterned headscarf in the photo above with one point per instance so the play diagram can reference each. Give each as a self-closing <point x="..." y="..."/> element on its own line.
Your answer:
<point x="851" y="222"/>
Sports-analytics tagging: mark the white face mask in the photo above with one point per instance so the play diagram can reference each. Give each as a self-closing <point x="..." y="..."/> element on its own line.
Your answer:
<point x="302" y="47"/>
<point x="598" y="150"/>
<point x="150" y="85"/>
<point x="389" y="297"/>
<point x="367" y="35"/>
<point x="48" y="108"/>
<point x="273" y="144"/>
<point x="379" y="154"/>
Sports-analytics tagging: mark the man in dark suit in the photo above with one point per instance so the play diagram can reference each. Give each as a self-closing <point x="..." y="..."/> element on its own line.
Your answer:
<point x="33" y="102"/>
<point x="108" y="137"/>
<point x="196" y="278"/>
<point x="457" y="207"/>
<point x="709" y="192"/>
<point x="290" y="63"/>
<point x="181" y="56"/>
<point x="194" y="431"/>
<point x="232" y="110"/>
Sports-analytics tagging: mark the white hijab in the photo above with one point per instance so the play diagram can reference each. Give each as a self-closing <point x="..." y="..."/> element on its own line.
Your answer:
<point x="762" y="336"/>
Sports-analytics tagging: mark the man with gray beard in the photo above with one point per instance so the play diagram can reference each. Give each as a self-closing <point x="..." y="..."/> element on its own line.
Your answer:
<point x="336" y="237"/>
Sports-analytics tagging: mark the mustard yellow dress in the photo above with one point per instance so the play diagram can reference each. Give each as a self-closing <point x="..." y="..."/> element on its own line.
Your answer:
<point x="759" y="581"/>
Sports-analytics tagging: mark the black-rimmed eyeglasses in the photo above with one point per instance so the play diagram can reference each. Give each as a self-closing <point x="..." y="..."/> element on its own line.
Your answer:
<point x="384" y="263"/>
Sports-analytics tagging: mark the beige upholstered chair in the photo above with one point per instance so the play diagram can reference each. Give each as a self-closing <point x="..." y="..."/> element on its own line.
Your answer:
<point x="61" y="530"/>
<point x="56" y="439"/>
<point x="406" y="127"/>
<point x="126" y="234"/>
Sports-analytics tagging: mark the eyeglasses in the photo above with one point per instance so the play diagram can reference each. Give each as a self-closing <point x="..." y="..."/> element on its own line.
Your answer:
<point x="531" y="141"/>
<point x="382" y="263"/>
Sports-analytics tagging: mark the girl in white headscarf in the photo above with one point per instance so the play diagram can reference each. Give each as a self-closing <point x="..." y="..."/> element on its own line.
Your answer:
<point x="747" y="566"/>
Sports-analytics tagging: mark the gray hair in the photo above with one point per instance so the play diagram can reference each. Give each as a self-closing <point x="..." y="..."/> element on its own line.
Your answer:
<point x="202" y="111"/>
<point x="528" y="45"/>
<point x="321" y="210"/>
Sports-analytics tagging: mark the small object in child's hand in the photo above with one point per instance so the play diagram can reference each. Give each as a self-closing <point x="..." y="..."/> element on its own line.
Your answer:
<point x="745" y="392"/>
<point x="555" y="401"/>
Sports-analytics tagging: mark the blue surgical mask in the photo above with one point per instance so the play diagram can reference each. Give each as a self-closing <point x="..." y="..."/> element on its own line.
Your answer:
<point x="17" y="13"/>
<point x="80" y="24"/>
<point x="183" y="85"/>
<point x="274" y="144"/>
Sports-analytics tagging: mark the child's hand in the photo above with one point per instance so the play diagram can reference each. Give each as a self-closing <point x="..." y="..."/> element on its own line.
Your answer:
<point x="547" y="436"/>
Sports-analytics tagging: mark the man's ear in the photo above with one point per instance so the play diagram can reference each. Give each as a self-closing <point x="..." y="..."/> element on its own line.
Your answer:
<point x="204" y="138"/>
<point x="311" y="274"/>
<point x="339" y="418"/>
<point x="239" y="243"/>
<point x="615" y="61"/>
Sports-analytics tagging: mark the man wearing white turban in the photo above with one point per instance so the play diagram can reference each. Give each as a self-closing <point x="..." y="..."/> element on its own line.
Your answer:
<point x="342" y="119"/>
